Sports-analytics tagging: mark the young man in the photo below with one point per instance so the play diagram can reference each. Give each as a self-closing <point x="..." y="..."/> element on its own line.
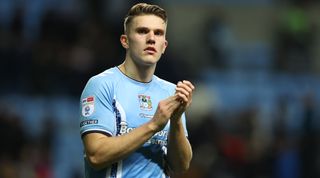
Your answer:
<point x="132" y="123"/>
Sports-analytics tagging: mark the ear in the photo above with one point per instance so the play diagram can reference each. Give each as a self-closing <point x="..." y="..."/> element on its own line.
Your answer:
<point x="124" y="41"/>
<point x="164" y="46"/>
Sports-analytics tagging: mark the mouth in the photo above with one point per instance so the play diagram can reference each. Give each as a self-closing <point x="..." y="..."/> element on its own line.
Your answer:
<point x="150" y="50"/>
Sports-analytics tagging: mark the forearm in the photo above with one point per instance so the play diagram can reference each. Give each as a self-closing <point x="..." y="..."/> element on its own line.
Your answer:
<point x="102" y="151"/>
<point x="179" y="148"/>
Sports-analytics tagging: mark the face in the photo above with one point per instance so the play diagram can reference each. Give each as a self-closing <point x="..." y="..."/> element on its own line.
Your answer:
<point x="145" y="39"/>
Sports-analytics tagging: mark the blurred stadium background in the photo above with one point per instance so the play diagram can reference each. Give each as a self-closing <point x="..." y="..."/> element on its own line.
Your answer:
<point x="255" y="64"/>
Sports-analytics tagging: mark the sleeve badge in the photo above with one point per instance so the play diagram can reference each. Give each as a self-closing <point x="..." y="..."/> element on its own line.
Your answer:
<point x="87" y="106"/>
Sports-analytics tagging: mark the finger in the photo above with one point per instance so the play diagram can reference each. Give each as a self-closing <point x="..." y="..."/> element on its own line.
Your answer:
<point x="189" y="84"/>
<point x="183" y="97"/>
<point x="185" y="86"/>
<point x="173" y="107"/>
<point x="171" y="99"/>
<point x="183" y="91"/>
<point x="173" y="102"/>
<point x="185" y="100"/>
<point x="186" y="91"/>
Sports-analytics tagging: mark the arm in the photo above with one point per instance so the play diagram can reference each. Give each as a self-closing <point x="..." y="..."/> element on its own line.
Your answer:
<point x="102" y="150"/>
<point x="179" y="148"/>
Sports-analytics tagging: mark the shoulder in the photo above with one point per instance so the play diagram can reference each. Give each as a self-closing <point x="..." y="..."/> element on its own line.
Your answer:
<point x="103" y="80"/>
<point x="106" y="77"/>
<point x="164" y="84"/>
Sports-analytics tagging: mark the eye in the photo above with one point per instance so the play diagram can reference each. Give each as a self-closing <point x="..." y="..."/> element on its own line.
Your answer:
<point x="142" y="30"/>
<point x="159" y="32"/>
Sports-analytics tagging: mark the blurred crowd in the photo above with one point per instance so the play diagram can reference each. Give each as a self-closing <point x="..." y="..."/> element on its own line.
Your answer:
<point x="49" y="49"/>
<point x="239" y="146"/>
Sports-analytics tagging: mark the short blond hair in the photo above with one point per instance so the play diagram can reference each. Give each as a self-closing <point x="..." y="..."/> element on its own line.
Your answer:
<point x="144" y="9"/>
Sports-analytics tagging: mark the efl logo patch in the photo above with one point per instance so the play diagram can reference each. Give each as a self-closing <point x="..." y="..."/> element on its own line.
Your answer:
<point x="88" y="100"/>
<point x="145" y="102"/>
<point x="87" y="106"/>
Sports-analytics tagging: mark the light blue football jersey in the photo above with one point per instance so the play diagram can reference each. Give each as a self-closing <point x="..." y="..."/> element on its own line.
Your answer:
<point x="114" y="104"/>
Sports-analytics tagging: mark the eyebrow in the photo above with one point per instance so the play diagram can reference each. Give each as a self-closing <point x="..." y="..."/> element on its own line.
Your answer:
<point x="146" y="28"/>
<point x="142" y="28"/>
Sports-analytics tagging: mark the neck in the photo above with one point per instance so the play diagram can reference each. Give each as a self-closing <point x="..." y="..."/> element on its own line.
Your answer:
<point x="136" y="72"/>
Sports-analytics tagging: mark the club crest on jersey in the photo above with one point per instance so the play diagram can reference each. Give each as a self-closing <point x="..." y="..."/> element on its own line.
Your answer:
<point x="145" y="102"/>
<point x="87" y="106"/>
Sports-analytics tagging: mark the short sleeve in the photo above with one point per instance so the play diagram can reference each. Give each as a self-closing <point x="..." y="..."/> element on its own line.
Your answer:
<point x="96" y="110"/>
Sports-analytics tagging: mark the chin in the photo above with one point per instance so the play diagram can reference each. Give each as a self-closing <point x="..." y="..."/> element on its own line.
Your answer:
<point x="150" y="61"/>
<point x="149" y="64"/>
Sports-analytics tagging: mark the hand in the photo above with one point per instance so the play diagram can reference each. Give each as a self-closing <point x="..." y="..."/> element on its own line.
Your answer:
<point x="164" y="112"/>
<point x="184" y="92"/>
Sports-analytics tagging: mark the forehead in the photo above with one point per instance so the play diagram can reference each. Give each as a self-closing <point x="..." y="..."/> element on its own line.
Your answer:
<point x="149" y="21"/>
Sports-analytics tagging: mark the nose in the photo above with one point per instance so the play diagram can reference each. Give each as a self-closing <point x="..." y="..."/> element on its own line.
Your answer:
<point x="151" y="38"/>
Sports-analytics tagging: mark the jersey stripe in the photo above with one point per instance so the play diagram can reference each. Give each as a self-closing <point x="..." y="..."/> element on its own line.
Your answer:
<point x="119" y="170"/>
<point x="115" y="171"/>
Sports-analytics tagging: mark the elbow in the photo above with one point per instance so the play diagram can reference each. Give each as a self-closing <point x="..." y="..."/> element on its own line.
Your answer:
<point x="183" y="165"/>
<point x="95" y="162"/>
<point x="182" y="168"/>
<point x="185" y="168"/>
<point x="179" y="167"/>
